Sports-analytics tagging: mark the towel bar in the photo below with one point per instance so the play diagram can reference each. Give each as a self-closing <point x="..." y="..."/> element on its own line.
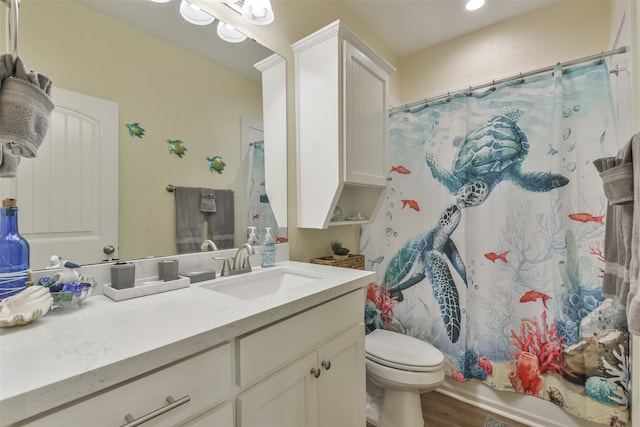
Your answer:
<point x="12" y="26"/>
<point x="171" y="188"/>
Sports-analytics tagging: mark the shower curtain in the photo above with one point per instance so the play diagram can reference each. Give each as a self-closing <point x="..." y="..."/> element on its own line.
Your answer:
<point x="259" y="212"/>
<point x="489" y="243"/>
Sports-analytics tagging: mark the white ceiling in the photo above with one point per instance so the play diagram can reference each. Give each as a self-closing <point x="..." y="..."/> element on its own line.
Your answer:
<point x="405" y="26"/>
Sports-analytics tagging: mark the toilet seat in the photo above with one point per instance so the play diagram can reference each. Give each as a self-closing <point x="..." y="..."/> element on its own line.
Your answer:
<point x="401" y="351"/>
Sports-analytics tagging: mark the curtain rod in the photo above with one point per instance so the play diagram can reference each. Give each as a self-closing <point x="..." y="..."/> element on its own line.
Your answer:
<point x="426" y="101"/>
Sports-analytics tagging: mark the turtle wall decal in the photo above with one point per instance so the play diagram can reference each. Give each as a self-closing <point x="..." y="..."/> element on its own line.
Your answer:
<point x="488" y="155"/>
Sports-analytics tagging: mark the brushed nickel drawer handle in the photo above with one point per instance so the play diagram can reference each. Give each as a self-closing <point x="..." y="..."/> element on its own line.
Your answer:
<point x="172" y="404"/>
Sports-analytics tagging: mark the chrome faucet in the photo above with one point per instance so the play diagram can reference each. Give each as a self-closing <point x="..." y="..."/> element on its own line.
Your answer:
<point x="208" y="245"/>
<point x="237" y="264"/>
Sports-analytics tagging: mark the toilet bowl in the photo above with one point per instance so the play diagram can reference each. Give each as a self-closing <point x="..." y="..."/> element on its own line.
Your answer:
<point x="405" y="367"/>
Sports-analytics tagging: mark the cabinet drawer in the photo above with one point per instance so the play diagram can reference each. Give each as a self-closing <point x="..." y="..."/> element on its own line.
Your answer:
<point x="205" y="378"/>
<point x="262" y="352"/>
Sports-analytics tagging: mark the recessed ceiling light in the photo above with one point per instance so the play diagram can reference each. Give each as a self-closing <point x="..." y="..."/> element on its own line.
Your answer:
<point x="194" y="15"/>
<point x="474" y="4"/>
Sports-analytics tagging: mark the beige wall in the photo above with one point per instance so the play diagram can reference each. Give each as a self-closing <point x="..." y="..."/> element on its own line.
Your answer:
<point x="172" y="93"/>
<point x="559" y="32"/>
<point x="294" y="20"/>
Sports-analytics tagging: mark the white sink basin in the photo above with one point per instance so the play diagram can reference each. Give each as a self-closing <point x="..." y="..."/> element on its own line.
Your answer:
<point x="257" y="284"/>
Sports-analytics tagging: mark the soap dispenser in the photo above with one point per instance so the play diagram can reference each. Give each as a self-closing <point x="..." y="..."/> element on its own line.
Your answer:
<point x="253" y="239"/>
<point x="269" y="250"/>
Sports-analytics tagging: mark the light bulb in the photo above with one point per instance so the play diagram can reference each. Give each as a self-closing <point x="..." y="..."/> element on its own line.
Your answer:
<point x="474" y="4"/>
<point x="258" y="11"/>
<point x="194" y="15"/>
<point x="229" y="34"/>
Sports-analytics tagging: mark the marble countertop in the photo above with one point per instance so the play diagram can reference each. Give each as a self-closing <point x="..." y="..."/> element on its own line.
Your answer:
<point x="70" y="354"/>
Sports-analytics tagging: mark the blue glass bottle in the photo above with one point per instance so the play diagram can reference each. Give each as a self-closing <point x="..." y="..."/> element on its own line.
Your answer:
<point x="14" y="252"/>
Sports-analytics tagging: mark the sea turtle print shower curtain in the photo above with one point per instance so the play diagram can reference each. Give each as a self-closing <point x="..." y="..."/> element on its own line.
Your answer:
<point x="489" y="243"/>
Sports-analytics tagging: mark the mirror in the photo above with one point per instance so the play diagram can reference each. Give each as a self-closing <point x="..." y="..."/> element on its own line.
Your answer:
<point x="142" y="56"/>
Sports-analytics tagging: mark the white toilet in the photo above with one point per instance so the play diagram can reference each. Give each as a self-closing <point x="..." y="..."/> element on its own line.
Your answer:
<point x="404" y="367"/>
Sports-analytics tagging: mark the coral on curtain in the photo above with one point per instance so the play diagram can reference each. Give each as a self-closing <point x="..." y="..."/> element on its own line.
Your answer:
<point x="259" y="212"/>
<point x="489" y="243"/>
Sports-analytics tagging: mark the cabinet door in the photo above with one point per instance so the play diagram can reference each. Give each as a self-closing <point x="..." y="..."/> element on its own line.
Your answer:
<point x="341" y="386"/>
<point x="365" y="119"/>
<point x="287" y="398"/>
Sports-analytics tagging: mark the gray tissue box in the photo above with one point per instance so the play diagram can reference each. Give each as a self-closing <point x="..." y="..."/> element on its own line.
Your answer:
<point x="200" y="276"/>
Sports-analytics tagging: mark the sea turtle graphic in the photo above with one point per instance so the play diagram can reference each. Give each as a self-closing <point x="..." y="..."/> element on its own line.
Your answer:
<point x="489" y="154"/>
<point x="424" y="256"/>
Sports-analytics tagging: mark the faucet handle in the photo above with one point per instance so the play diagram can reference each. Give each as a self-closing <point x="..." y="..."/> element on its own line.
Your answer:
<point x="225" y="264"/>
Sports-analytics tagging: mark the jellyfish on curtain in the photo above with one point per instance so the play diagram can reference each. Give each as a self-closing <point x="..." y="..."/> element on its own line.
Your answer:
<point x="259" y="212"/>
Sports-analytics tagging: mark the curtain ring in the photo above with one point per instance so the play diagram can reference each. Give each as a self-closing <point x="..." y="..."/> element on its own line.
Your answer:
<point x="469" y="93"/>
<point x="12" y="27"/>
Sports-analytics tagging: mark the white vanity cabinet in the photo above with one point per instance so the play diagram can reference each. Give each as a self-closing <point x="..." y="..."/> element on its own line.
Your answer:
<point x="291" y="358"/>
<point x="322" y="382"/>
<point x="342" y="113"/>
<point x="195" y="385"/>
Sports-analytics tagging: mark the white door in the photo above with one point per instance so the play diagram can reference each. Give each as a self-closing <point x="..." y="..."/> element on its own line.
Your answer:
<point x="68" y="195"/>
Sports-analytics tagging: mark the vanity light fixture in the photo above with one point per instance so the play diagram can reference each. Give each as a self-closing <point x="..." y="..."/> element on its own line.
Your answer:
<point x="160" y="1"/>
<point x="258" y="11"/>
<point x="474" y="4"/>
<point x="229" y="34"/>
<point x="194" y="15"/>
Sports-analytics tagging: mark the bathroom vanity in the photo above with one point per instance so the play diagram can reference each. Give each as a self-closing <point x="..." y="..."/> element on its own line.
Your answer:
<point x="221" y="353"/>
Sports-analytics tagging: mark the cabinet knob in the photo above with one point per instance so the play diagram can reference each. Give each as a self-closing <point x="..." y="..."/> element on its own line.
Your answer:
<point x="316" y="372"/>
<point x="326" y="364"/>
<point x="109" y="249"/>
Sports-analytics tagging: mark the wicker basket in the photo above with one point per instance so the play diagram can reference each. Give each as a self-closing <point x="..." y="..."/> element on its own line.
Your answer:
<point x="352" y="261"/>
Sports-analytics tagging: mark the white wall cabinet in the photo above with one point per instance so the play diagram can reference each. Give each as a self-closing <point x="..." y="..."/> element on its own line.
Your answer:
<point x="342" y="129"/>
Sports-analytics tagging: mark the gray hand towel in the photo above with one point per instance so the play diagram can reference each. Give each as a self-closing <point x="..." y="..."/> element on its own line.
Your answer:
<point x="207" y="200"/>
<point x="617" y="181"/>
<point x="221" y="224"/>
<point x="633" y="299"/>
<point x="25" y="106"/>
<point x="8" y="163"/>
<point x="189" y="219"/>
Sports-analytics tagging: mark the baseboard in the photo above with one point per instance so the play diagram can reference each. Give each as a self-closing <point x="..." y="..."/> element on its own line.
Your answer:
<point x="528" y="410"/>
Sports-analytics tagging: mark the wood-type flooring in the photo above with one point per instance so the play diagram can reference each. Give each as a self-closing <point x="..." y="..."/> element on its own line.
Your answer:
<point x="440" y="410"/>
